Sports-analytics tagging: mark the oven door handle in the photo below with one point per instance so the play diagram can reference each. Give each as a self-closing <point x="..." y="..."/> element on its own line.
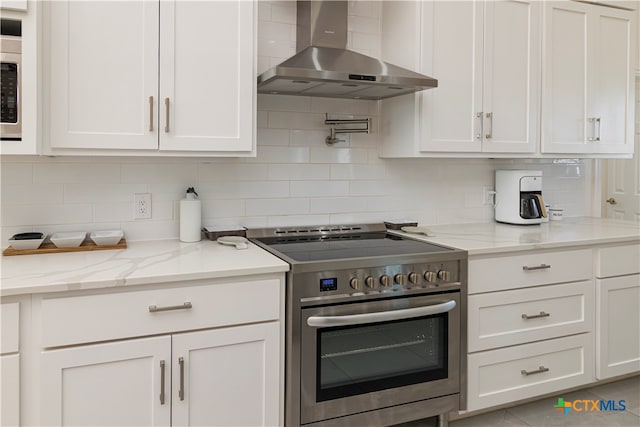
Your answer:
<point x="382" y="316"/>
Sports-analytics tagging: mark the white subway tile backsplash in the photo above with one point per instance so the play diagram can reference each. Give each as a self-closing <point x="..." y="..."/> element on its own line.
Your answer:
<point x="88" y="193"/>
<point x="350" y="107"/>
<point x="270" y="30"/>
<point x="278" y="48"/>
<point x="362" y="24"/>
<point x="159" y="173"/>
<point x="273" y="137"/>
<point x="15" y="173"/>
<point x="284" y="103"/>
<point x="270" y="154"/>
<point x="368" y="9"/>
<point x="114" y="212"/>
<point x="319" y="188"/>
<point x="288" y="206"/>
<point x="299" y="172"/>
<point x="284" y="12"/>
<point x="324" y="154"/>
<point x="212" y="210"/>
<point x="294" y="220"/>
<point x="232" y="171"/>
<point x="284" y="120"/>
<point x="21" y="194"/>
<point x="45" y="213"/>
<point x="357" y="172"/>
<point x="308" y="138"/>
<point x="48" y="173"/>
<point x="334" y="205"/>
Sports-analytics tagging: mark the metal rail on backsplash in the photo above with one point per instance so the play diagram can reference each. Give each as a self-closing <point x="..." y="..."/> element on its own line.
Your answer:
<point x="332" y="139"/>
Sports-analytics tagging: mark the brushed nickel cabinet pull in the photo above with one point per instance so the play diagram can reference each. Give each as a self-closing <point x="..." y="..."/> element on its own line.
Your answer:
<point x="166" y="112"/>
<point x="537" y="267"/>
<point x="181" y="390"/>
<point x="599" y="123"/>
<point x="489" y="134"/>
<point x="540" y="370"/>
<point x="162" y="363"/>
<point x="151" y="114"/>
<point x="535" y="316"/>
<point x="184" y="306"/>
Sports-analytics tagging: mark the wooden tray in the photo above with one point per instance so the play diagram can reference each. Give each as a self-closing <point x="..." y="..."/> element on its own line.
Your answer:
<point x="50" y="248"/>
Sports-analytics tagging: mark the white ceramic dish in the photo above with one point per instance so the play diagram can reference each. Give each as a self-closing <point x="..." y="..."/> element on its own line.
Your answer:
<point x="24" y="244"/>
<point x="70" y="239"/>
<point x="238" y="241"/>
<point x="106" y="237"/>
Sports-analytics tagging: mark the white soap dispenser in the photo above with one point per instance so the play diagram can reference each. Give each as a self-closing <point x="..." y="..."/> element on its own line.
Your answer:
<point x="190" y="217"/>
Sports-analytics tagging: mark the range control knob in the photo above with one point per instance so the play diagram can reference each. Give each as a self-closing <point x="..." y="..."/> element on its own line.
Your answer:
<point x="370" y="282"/>
<point x="400" y="279"/>
<point x="385" y="280"/>
<point x="354" y="283"/>
<point x="430" y="276"/>
<point x="414" y="278"/>
<point x="444" y="275"/>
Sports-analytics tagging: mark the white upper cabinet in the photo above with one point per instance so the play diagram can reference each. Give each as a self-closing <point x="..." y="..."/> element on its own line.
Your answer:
<point x="174" y="76"/>
<point x="485" y="56"/>
<point x="588" y="79"/>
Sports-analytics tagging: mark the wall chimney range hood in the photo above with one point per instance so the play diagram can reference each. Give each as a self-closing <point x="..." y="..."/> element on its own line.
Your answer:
<point x="324" y="67"/>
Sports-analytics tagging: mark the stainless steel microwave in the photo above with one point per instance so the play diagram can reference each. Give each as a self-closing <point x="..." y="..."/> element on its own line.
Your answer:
<point x="11" y="80"/>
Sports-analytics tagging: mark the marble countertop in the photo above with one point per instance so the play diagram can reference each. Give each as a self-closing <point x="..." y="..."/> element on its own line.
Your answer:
<point x="170" y="260"/>
<point x="141" y="263"/>
<point x="495" y="238"/>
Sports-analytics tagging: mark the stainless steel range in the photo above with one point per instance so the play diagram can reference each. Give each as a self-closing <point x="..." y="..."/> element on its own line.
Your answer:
<point x="373" y="325"/>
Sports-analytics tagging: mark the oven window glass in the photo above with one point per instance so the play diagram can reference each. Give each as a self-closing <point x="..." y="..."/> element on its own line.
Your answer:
<point x="352" y="360"/>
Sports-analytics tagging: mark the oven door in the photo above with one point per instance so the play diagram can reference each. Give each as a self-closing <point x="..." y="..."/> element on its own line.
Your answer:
<point x="371" y="355"/>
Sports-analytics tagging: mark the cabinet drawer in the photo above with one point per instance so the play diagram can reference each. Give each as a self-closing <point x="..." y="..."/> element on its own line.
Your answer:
<point x="531" y="269"/>
<point x="506" y="318"/>
<point x="10" y="324"/>
<point x="509" y="374"/>
<point x="618" y="260"/>
<point x="88" y="318"/>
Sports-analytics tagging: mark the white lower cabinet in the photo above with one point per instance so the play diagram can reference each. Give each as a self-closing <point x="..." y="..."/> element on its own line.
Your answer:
<point x="10" y="390"/>
<point x="222" y="377"/>
<point x="228" y="377"/>
<point x="207" y="352"/>
<point x="508" y="374"/>
<point x="117" y="384"/>
<point x="530" y="325"/>
<point x="10" y="363"/>
<point x="617" y="311"/>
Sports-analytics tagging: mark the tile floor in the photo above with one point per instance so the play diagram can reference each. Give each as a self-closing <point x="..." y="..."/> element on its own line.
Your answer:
<point x="542" y="414"/>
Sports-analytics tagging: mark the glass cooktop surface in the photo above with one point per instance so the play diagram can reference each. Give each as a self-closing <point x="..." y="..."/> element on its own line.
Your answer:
<point x="359" y="245"/>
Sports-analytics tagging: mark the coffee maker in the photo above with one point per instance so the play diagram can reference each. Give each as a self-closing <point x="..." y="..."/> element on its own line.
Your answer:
<point x="519" y="197"/>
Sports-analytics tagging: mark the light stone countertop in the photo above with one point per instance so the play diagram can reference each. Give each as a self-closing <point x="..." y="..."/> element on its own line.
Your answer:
<point x="170" y="260"/>
<point x="496" y="238"/>
<point x="141" y="263"/>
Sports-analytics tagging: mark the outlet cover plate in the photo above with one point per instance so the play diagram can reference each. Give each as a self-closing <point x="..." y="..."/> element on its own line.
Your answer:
<point x="142" y="206"/>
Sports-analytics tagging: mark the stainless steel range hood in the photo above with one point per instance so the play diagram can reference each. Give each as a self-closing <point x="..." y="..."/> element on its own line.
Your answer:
<point x="324" y="67"/>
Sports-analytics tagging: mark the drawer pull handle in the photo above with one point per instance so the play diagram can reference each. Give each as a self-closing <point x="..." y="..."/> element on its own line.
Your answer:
<point x="154" y="309"/>
<point x="537" y="267"/>
<point x="181" y="390"/>
<point x="540" y="370"/>
<point x="162" y="363"/>
<point x="535" y="316"/>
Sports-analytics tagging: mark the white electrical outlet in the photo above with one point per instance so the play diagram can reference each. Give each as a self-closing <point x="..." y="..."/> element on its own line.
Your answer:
<point x="142" y="206"/>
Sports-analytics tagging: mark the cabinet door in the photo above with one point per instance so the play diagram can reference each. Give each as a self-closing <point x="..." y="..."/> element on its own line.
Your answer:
<point x="103" y="74"/>
<point x="228" y="377"/>
<point x="207" y="76"/>
<point x="617" y="326"/>
<point x="10" y="391"/>
<point x="511" y="76"/>
<point x="565" y="78"/>
<point x="452" y="53"/>
<point x="612" y="92"/>
<point x="117" y="384"/>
